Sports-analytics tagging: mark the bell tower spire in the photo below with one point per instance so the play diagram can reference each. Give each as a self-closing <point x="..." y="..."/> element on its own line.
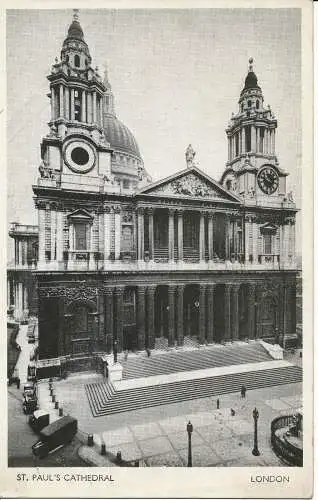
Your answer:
<point x="251" y="141"/>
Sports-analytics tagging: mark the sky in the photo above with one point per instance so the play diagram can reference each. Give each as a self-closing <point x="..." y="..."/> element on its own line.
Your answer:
<point x="176" y="76"/>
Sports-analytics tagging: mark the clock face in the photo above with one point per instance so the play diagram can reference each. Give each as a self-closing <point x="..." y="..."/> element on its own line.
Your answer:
<point x="268" y="180"/>
<point x="79" y="156"/>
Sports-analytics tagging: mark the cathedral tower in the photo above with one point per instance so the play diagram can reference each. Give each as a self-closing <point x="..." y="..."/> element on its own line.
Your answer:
<point x="252" y="169"/>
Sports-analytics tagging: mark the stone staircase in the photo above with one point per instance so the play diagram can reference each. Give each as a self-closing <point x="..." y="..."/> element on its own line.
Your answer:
<point x="195" y="359"/>
<point x="104" y="400"/>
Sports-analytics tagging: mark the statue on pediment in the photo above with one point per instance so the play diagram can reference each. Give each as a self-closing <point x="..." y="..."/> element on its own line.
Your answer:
<point x="190" y="154"/>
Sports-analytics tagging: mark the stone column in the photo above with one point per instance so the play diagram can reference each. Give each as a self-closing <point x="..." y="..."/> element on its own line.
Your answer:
<point x="53" y="104"/>
<point x="243" y="141"/>
<point x="253" y="138"/>
<point x="246" y="223"/>
<point x="83" y="111"/>
<point x="61" y="114"/>
<point x="227" y="311"/>
<point x="227" y="239"/>
<point x="141" y="290"/>
<point x="171" y="235"/>
<point x="210" y="312"/>
<point x="202" y="238"/>
<point x="235" y="311"/>
<point x="117" y="211"/>
<point x="119" y="294"/>
<point x="274" y="147"/>
<point x="53" y="233"/>
<point x="251" y="300"/>
<point x="282" y="240"/>
<point x="171" y="315"/>
<point x="151" y="234"/>
<point x="180" y="315"/>
<point x="72" y="105"/>
<point x="257" y="139"/>
<point x="151" y="289"/>
<point x="141" y="229"/>
<point x="106" y="233"/>
<point x="59" y="236"/>
<point x="180" y="235"/>
<point x="228" y="148"/>
<point x="210" y="235"/>
<point x="94" y="106"/>
<point x="109" y="318"/>
<point x="202" y="324"/>
<point x="67" y="103"/>
<point x="20" y="253"/>
<point x="255" y="242"/>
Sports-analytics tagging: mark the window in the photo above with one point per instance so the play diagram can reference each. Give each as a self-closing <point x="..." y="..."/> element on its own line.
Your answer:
<point x="81" y="230"/>
<point x="257" y="104"/>
<point x="77" y="105"/>
<point x="236" y="144"/>
<point x="77" y="61"/>
<point x="267" y="238"/>
<point x="249" y="103"/>
<point x="261" y="140"/>
<point x="126" y="184"/>
<point x="228" y="184"/>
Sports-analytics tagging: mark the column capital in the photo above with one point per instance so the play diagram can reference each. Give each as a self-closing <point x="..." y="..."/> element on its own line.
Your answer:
<point x="119" y="290"/>
<point x="116" y="209"/>
<point x="172" y="288"/>
<point x="180" y="212"/>
<point x="150" y="210"/>
<point x="151" y="288"/>
<point x="235" y="287"/>
<point x="202" y="286"/>
<point x="211" y="215"/>
<point x="211" y="286"/>
<point x="106" y="209"/>
<point x="108" y="290"/>
<point x="141" y="289"/>
<point x="180" y="288"/>
<point x="171" y="211"/>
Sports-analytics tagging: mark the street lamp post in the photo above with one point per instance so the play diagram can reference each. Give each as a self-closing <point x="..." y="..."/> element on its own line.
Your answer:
<point x="115" y="351"/>
<point x="255" y="450"/>
<point x="189" y="430"/>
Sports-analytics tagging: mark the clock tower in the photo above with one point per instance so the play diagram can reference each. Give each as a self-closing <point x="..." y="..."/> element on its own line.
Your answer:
<point x="252" y="170"/>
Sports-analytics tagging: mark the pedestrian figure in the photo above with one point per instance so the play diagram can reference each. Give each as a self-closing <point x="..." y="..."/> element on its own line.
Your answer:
<point x="243" y="391"/>
<point x="126" y="355"/>
<point x="115" y="351"/>
<point x="217" y="404"/>
<point x="148" y="352"/>
<point x="300" y="354"/>
<point x="232" y="412"/>
<point x="18" y="383"/>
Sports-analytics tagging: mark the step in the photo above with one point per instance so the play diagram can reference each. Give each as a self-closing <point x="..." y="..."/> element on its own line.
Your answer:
<point x="175" y="392"/>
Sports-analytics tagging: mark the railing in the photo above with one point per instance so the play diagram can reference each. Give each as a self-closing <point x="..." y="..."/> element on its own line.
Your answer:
<point x="283" y="449"/>
<point x="268" y="259"/>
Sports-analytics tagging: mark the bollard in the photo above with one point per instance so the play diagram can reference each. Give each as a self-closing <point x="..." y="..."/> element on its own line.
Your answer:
<point x="53" y="398"/>
<point x="118" y="457"/>
<point x="103" y="449"/>
<point x="90" y="440"/>
<point x="56" y="406"/>
<point x="217" y="404"/>
<point x="60" y="412"/>
<point x="51" y="392"/>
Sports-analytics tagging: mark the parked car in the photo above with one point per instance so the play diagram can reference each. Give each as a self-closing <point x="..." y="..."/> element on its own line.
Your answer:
<point x="54" y="435"/>
<point x="29" y="389"/>
<point x="41" y="419"/>
<point x="30" y="404"/>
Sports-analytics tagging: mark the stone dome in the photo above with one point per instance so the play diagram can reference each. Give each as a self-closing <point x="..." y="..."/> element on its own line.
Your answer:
<point x="251" y="81"/>
<point x="120" y="137"/>
<point x="75" y="31"/>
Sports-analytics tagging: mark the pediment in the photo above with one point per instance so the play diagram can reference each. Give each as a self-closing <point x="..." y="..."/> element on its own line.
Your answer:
<point x="268" y="228"/>
<point x="190" y="183"/>
<point x="80" y="214"/>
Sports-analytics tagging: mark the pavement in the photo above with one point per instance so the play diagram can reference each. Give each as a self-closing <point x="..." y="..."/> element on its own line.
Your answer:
<point x="157" y="436"/>
<point x="219" y="439"/>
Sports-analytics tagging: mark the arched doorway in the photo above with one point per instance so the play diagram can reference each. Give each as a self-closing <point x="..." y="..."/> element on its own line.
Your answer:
<point x="161" y="311"/>
<point x="267" y="320"/>
<point x="191" y="305"/>
<point x="81" y="327"/>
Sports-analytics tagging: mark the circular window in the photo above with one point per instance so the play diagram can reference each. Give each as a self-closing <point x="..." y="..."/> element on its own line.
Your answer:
<point x="80" y="156"/>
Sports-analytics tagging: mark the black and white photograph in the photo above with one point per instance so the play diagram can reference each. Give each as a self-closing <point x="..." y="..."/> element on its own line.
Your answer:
<point x="154" y="232"/>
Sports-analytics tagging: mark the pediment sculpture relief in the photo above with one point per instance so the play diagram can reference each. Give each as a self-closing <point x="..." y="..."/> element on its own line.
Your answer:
<point x="189" y="185"/>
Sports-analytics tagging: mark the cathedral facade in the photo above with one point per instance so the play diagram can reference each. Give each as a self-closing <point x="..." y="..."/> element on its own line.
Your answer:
<point x="125" y="263"/>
